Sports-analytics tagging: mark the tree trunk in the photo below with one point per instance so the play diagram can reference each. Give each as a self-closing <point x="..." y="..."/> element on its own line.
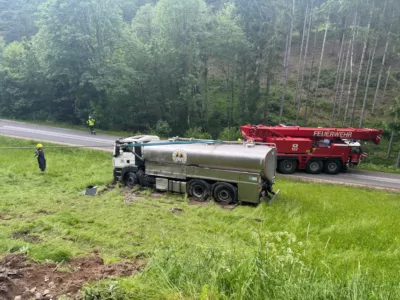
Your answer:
<point x="338" y="71"/>
<point x="320" y="61"/>
<point x="304" y="64"/>
<point x="367" y="84"/>
<point x="344" y="78"/>
<point x="286" y="66"/>
<point x="309" y="77"/>
<point x="267" y="92"/>
<point x="351" y="70"/>
<point x="389" y="153"/>
<point x="368" y="63"/>
<point x="359" y="72"/>
<point x="381" y="70"/>
<point x="301" y="53"/>
<point x="398" y="161"/>
<point x="334" y="42"/>
<point x="386" y="83"/>
<point x="338" y="76"/>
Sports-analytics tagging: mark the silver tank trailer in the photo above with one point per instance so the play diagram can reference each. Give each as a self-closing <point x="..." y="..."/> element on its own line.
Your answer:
<point x="259" y="159"/>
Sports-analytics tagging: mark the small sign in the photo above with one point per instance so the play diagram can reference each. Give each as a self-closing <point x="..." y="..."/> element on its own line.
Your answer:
<point x="179" y="156"/>
<point x="253" y="178"/>
<point x="295" y="147"/>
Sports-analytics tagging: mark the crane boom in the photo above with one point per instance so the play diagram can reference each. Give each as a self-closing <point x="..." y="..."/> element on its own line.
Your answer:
<point x="260" y="132"/>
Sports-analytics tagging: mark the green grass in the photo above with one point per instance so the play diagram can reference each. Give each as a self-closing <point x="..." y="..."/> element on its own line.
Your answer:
<point x="377" y="161"/>
<point x="315" y="241"/>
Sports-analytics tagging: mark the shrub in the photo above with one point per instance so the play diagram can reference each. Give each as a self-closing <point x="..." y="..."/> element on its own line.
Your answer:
<point x="197" y="133"/>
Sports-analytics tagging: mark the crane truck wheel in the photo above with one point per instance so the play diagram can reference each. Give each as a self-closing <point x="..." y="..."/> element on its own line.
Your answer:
<point x="287" y="166"/>
<point x="131" y="180"/>
<point x="224" y="193"/>
<point x="199" y="189"/>
<point x="314" y="166"/>
<point x="331" y="166"/>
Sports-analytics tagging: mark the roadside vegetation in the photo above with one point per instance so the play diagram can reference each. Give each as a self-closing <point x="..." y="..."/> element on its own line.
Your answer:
<point x="315" y="241"/>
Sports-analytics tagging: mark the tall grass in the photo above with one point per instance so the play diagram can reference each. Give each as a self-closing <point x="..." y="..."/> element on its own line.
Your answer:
<point x="315" y="241"/>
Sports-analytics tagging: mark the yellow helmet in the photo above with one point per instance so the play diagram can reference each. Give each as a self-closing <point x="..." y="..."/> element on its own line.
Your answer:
<point x="239" y="140"/>
<point x="39" y="145"/>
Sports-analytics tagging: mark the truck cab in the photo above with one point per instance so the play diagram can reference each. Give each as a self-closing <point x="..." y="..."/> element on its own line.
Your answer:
<point x="125" y="157"/>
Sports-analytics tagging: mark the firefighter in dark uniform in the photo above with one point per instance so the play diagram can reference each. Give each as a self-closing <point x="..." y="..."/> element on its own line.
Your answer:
<point x="40" y="157"/>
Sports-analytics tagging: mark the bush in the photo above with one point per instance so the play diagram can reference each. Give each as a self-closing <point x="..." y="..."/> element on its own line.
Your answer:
<point x="230" y="134"/>
<point x="161" y="129"/>
<point x="197" y="133"/>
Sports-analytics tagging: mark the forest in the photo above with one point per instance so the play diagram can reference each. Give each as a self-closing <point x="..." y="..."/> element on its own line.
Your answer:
<point x="196" y="67"/>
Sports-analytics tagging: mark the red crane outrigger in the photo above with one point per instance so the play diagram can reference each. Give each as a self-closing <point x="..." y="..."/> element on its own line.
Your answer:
<point x="330" y="150"/>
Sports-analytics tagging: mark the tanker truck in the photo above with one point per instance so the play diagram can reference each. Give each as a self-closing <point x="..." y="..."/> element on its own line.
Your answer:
<point x="229" y="172"/>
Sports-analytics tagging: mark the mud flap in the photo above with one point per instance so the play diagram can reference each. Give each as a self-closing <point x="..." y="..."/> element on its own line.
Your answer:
<point x="273" y="197"/>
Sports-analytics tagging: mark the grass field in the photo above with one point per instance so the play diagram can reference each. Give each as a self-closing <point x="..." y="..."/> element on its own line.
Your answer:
<point x="314" y="242"/>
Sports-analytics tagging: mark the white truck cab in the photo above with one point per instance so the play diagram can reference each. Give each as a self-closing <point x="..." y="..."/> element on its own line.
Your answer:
<point x="123" y="158"/>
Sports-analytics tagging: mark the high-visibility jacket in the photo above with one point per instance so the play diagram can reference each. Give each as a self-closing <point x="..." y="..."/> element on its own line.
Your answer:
<point x="91" y="122"/>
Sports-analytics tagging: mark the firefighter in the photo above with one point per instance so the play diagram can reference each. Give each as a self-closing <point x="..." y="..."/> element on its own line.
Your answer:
<point x="40" y="157"/>
<point x="91" y="122"/>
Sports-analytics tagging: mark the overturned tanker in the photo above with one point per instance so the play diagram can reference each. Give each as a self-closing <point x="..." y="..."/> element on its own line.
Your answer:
<point x="229" y="172"/>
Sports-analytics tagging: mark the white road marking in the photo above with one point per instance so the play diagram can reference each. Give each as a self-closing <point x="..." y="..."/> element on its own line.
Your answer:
<point x="56" y="134"/>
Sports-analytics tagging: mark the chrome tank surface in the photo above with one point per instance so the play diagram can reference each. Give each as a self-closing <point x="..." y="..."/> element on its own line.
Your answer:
<point x="237" y="157"/>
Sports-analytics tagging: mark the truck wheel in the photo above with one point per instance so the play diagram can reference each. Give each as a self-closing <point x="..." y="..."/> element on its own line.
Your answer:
<point x="331" y="167"/>
<point x="287" y="166"/>
<point x="131" y="180"/>
<point x="199" y="189"/>
<point x="314" y="166"/>
<point x="224" y="193"/>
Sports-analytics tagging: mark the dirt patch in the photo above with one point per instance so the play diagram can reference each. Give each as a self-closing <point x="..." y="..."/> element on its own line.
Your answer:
<point x="5" y="217"/>
<point x="176" y="211"/>
<point x="132" y="197"/>
<point x="193" y="201"/>
<point x="44" y="212"/>
<point x="107" y="188"/>
<point x="157" y="195"/>
<point x="26" y="237"/>
<point x="25" y="279"/>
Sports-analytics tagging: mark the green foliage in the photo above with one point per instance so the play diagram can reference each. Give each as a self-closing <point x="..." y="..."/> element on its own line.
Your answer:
<point x="162" y="129"/>
<point x="230" y="134"/>
<point x="197" y="133"/>
<point x="193" y="64"/>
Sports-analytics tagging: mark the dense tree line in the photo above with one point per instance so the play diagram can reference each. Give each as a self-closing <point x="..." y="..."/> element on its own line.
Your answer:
<point x="203" y="66"/>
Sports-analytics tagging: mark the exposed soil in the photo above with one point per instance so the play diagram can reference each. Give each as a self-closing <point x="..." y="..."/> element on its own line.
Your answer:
<point x="26" y="237"/>
<point x="22" y="278"/>
<point x="193" y="201"/>
<point x="176" y="211"/>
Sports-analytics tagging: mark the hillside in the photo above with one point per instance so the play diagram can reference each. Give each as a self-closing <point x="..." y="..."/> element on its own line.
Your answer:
<point x="201" y="68"/>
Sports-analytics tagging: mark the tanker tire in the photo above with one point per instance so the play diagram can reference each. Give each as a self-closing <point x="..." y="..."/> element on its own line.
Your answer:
<point x="314" y="166"/>
<point x="199" y="189"/>
<point x="131" y="180"/>
<point x="225" y="193"/>
<point x="140" y="177"/>
<point x="287" y="166"/>
<point x="332" y="167"/>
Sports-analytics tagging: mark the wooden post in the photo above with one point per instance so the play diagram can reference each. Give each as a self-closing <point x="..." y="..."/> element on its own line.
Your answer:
<point x="398" y="161"/>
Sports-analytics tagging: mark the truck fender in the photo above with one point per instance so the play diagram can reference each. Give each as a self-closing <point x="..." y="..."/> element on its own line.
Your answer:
<point x="127" y="170"/>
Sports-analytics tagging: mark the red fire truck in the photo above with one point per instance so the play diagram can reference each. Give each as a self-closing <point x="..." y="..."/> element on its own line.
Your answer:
<point x="330" y="150"/>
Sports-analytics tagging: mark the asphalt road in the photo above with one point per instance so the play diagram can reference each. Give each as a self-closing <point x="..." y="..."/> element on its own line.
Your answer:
<point x="105" y="142"/>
